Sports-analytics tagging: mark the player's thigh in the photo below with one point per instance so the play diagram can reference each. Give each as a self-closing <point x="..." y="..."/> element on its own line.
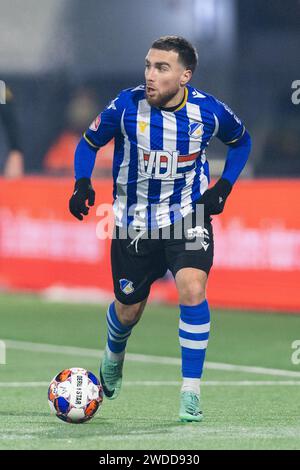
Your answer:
<point x="190" y="260"/>
<point x="134" y="269"/>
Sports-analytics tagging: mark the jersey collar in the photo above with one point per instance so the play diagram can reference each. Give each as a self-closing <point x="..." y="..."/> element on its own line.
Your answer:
<point x="173" y="109"/>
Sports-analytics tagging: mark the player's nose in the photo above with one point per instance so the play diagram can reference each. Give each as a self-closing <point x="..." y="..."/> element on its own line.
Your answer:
<point x="150" y="75"/>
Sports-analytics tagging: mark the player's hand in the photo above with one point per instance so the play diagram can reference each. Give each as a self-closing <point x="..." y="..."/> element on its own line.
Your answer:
<point x="14" y="166"/>
<point x="214" y="198"/>
<point x="83" y="191"/>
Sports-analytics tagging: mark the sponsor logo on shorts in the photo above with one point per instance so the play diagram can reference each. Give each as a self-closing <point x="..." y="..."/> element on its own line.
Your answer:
<point x="198" y="231"/>
<point x="205" y="245"/>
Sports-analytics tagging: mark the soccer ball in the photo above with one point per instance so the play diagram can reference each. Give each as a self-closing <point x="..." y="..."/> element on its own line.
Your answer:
<point x="75" y="395"/>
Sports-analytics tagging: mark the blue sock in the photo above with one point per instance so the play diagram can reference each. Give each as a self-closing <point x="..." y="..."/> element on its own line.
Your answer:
<point x="194" y="329"/>
<point x="118" y="334"/>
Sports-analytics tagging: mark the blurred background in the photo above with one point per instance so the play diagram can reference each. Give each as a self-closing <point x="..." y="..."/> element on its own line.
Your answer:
<point x="63" y="60"/>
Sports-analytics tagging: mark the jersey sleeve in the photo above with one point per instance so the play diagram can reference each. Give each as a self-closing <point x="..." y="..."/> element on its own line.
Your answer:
<point x="229" y="127"/>
<point x="107" y="124"/>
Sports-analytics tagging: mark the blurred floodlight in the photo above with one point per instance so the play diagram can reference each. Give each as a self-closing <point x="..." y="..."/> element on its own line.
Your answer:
<point x="206" y="17"/>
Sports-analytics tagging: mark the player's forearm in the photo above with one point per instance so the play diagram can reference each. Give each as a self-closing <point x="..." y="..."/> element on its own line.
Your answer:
<point x="237" y="157"/>
<point x="84" y="161"/>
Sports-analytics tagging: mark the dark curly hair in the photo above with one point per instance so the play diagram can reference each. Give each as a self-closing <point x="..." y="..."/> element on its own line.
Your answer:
<point x="187" y="53"/>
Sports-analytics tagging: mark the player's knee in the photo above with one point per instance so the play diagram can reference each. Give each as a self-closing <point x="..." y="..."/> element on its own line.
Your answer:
<point x="192" y="293"/>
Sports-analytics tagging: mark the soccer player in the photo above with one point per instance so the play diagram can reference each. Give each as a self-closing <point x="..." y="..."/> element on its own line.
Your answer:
<point x="14" y="165"/>
<point x="161" y="175"/>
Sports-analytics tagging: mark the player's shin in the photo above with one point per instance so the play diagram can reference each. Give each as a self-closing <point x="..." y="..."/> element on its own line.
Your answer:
<point x="194" y="329"/>
<point x="111" y="368"/>
<point x="117" y="335"/>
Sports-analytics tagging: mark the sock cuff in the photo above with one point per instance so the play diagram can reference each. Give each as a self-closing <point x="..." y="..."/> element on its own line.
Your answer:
<point x="195" y="314"/>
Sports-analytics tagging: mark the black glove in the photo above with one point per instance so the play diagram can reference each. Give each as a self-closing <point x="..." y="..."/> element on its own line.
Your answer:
<point x="214" y="198"/>
<point x="83" y="191"/>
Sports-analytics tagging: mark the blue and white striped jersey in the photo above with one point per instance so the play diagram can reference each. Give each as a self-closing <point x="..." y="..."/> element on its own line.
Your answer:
<point x="159" y="167"/>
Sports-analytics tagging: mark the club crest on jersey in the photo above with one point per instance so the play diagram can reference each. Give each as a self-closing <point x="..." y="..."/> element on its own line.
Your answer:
<point x="95" y="124"/>
<point x="126" y="286"/>
<point x="195" y="129"/>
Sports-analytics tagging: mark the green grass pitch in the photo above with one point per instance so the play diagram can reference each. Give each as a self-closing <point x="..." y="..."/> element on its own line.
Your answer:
<point x="263" y="413"/>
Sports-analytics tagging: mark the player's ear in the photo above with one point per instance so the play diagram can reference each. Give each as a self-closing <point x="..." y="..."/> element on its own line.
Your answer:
<point x="186" y="77"/>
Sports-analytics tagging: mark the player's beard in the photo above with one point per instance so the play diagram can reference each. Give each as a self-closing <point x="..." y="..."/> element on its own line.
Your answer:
<point x="160" y="101"/>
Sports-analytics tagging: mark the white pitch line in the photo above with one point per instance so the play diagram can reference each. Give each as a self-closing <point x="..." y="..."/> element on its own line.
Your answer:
<point x="75" y="351"/>
<point x="253" y="370"/>
<point x="157" y="383"/>
<point x="214" y="383"/>
<point x="23" y="384"/>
